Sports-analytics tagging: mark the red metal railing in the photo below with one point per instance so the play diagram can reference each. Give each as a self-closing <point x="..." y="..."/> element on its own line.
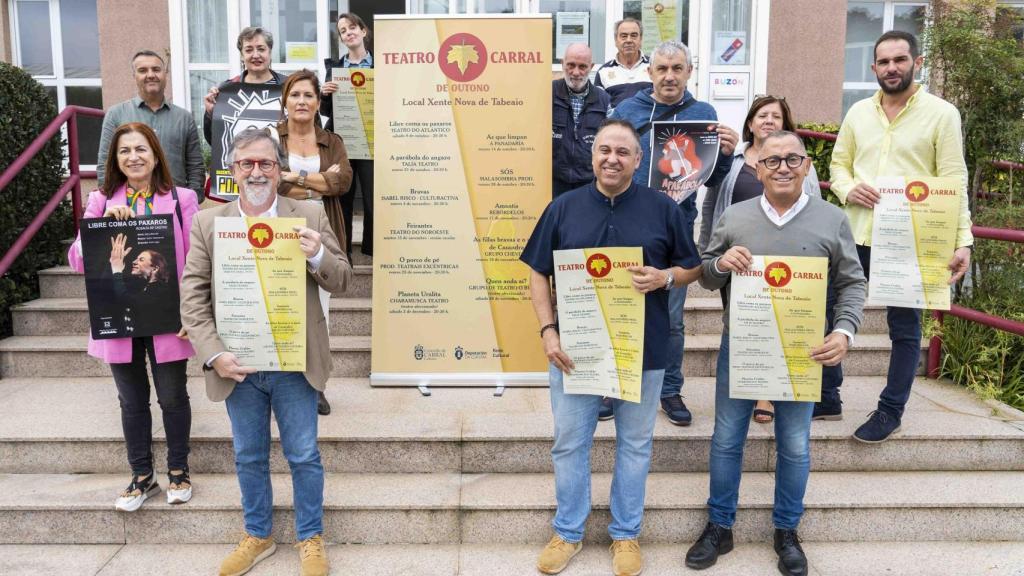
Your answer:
<point x="1006" y="235"/>
<point x="73" y="184"/>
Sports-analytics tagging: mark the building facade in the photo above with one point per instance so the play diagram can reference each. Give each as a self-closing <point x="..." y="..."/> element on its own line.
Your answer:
<point x="816" y="53"/>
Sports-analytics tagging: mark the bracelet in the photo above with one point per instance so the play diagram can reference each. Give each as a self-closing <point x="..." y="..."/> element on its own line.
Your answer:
<point x="545" y="328"/>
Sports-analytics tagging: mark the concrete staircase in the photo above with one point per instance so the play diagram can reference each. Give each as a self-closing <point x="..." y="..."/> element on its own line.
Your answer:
<point x="460" y="482"/>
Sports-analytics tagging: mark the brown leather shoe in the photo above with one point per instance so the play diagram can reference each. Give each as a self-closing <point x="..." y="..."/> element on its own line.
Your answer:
<point x="626" y="559"/>
<point x="556" y="555"/>
<point x="249" y="552"/>
<point x="313" y="556"/>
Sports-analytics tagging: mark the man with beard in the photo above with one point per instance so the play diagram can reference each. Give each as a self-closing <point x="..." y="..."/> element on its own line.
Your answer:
<point x="251" y="395"/>
<point x="579" y="109"/>
<point x="900" y="131"/>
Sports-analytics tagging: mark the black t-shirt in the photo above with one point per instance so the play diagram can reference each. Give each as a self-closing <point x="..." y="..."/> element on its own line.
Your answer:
<point x="747" y="185"/>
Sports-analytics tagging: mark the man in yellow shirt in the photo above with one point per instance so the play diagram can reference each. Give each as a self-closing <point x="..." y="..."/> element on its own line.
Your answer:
<point x="900" y="131"/>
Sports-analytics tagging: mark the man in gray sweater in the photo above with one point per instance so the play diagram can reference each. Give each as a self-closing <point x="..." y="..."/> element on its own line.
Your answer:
<point x="782" y="222"/>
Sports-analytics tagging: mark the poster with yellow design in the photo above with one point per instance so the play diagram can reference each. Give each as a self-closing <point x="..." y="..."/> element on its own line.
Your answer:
<point x="661" y="22"/>
<point x="462" y="132"/>
<point x="259" y="275"/>
<point x="601" y="320"/>
<point x="353" y="110"/>
<point x="913" y="236"/>
<point x="776" y="317"/>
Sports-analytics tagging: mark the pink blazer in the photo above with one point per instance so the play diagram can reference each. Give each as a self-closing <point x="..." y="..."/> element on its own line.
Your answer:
<point x="168" y="347"/>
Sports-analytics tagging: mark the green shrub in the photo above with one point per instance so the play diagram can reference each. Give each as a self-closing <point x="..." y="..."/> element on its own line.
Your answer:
<point x="820" y="152"/>
<point x="986" y="360"/>
<point x="25" y="110"/>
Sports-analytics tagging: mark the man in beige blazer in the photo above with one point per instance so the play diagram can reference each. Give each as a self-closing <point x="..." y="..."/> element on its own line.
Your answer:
<point x="251" y="395"/>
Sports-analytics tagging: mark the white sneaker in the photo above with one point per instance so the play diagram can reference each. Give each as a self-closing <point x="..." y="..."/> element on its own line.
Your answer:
<point x="137" y="493"/>
<point x="179" y="488"/>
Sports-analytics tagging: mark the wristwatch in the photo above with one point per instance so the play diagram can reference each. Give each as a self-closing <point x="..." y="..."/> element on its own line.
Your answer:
<point x="309" y="194"/>
<point x="670" y="281"/>
<point x="301" y="182"/>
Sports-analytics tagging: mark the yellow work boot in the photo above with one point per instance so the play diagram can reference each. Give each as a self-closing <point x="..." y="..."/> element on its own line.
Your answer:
<point x="626" y="560"/>
<point x="247" y="554"/>
<point x="556" y="555"/>
<point x="313" y="556"/>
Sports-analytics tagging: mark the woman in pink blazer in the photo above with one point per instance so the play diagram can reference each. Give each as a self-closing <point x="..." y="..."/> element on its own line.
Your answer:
<point x="139" y="182"/>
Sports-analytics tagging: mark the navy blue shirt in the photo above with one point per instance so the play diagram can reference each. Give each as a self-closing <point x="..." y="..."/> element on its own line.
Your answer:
<point x="640" y="216"/>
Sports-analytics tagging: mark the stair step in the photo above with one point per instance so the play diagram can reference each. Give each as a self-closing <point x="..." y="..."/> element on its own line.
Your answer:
<point x="49" y="356"/>
<point x="824" y="558"/>
<point x="73" y="426"/>
<point x="350" y="316"/>
<point x="449" y="508"/>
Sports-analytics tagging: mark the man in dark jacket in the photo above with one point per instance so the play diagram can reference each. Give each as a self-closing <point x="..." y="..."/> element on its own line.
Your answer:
<point x="579" y="108"/>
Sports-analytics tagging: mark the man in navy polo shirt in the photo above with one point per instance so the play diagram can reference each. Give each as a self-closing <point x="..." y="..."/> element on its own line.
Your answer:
<point x="612" y="211"/>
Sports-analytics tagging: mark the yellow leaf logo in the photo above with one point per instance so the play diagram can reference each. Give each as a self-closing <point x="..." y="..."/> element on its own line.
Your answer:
<point x="598" y="265"/>
<point x="462" y="56"/>
<point x="916" y="191"/>
<point x="260" y="235"/>
<point x="777" y="274"/>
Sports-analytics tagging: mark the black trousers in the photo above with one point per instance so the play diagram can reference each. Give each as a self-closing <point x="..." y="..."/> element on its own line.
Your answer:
<point x="137" y="421"/>
<point x="362" y="173"/>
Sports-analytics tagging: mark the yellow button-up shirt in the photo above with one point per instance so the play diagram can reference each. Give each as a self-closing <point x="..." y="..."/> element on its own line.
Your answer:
<point x="923" y="140"/>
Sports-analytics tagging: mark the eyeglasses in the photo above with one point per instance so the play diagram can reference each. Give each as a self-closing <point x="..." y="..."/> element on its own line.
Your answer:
<point x="792" y="160"/>
<point x="248" y="165"/>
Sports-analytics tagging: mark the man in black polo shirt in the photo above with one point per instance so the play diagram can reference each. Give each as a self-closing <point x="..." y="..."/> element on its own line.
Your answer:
<point x="612" y="211"/>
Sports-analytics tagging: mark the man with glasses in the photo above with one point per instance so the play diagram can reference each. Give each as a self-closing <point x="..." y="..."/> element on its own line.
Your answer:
<point x="252" y="395"/>
<point x="626" y="74"/>
<point x="900" y="131"/>
<point x="783" y="221"/>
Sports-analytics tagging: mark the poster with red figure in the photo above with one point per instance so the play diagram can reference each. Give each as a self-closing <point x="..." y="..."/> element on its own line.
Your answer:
<point x="683" y="156"/>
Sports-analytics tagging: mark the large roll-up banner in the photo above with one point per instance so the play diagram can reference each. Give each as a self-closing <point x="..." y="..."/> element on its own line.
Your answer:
<point x="463" y="171"/>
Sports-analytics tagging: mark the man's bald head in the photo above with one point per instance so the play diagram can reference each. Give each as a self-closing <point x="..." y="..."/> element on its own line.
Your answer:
<point x="576" y="64"/>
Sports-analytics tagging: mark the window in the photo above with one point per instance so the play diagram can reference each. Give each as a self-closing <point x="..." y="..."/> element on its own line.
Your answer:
<point x="865" y="22"/>
<point x="57" y="42"/>
<point x="575" y="21"/>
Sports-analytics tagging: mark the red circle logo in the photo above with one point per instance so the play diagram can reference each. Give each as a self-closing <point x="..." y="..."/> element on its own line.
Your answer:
<point x="260" y="235"/>
<point x="358" y="79"/>
<point x="598" y="265"/>
<point x="916" y="191"/>
<point x="777" y="274"/>
<point x="462" y="57"/>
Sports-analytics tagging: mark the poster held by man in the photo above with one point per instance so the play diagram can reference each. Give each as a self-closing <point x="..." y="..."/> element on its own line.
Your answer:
<point x="683" y="155"/>
<point x="131" y="278"/>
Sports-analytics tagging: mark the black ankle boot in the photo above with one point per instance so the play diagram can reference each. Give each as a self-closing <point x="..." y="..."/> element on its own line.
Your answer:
<point x="714" y="541"/>
<point x="792" y="561"/>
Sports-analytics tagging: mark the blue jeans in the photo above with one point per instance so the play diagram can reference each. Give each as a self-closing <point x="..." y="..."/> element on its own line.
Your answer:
<point x="293" y="401"/>
<point x="905" y="335"/>
<point x="575" y="418"/>
<point x="792" y="442"/>
<point x="673" y="383"/>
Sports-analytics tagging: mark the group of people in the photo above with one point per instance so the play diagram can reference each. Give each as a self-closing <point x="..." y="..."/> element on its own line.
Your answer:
<point x="150" y="162"/>
<point x="762" y="198"/>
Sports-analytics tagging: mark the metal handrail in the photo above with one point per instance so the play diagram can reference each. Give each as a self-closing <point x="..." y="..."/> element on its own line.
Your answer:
<point x="73" y="184"/>
<point x="1004" y="234"/>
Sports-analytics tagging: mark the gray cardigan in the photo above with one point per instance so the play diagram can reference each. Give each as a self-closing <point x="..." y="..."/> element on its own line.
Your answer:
<point x="820" y="229"/>
<point x="719" y="198"/>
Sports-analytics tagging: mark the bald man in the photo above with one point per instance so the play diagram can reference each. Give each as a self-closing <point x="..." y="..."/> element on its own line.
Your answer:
<point x="579" y="108"/>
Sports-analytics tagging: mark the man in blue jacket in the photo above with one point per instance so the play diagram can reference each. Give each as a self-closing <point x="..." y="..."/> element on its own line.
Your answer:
<point x="578" y="110"/>
<point x="668" y="99"/>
